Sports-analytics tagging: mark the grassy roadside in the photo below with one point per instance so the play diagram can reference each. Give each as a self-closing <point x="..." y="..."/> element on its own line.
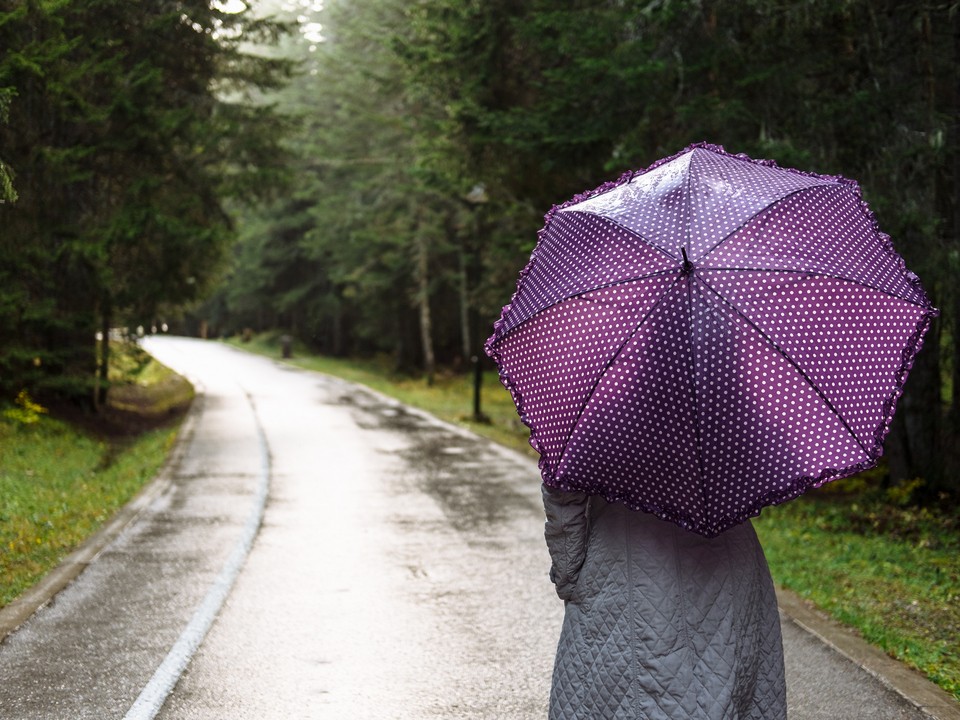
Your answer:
<point x="60" y="481"/>
<point x="892" y="573"/>
<point x="877" y="565"/>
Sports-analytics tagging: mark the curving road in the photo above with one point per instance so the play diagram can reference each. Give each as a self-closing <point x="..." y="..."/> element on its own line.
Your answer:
<point x="316" y="551"/>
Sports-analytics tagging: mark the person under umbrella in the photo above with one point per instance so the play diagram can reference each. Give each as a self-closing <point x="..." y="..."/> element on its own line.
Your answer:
<point x="660" y="622"/>
<point x="689" y="345"/>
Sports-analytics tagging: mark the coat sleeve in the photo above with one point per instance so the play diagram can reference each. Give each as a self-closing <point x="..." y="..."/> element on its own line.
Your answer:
<point x="566" y="532"/>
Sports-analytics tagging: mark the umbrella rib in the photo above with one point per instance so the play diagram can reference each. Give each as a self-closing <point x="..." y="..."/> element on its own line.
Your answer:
<point x="523" y="322"/>
<point x="814" y="273"/>
<point x="610" y="362"/>
<point x="687" y="201"/>
<point x="658" y="273"/>
<point x="786" y="356"/>
<point x="765" y="208"/>
<point x="627" y="229"/>
<point x="698" y="437"/>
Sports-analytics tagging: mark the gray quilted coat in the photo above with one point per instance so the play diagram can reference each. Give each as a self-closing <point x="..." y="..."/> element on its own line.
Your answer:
<point x="660" y="623"/>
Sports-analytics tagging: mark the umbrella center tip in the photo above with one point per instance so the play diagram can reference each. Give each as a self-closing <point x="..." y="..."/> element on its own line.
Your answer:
<point x="687" y="265"/>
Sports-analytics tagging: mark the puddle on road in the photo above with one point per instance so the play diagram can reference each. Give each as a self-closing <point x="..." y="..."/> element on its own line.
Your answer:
<point x="476" y="496"/>
<point x="471" y="483"/>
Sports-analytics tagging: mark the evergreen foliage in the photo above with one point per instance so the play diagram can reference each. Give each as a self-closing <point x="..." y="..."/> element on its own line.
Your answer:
<point x="130" y="125"/>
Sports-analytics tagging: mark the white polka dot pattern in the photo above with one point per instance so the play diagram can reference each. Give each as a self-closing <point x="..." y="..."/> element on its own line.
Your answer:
<point x="656" y="205"/>
<point x="710" y="337"/>
<point x="560" y="358"/>
<point x="842" y="243"/>
<point x="582" y="252"/>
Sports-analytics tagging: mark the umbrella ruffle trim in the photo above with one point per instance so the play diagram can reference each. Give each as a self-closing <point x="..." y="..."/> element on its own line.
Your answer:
<point x="909" y="356"/>
<point x="802" y="484"/>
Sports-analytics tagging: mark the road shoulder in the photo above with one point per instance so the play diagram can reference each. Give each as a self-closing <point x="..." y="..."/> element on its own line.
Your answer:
<point x="13" y="615"/>
<point x="903" y="680"/>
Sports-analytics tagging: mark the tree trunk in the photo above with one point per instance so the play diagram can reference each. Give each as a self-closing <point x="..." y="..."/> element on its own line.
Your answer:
<point x="914" y="448"/>
<point x="465" y="334"/>
<point x="336" y="330"/>
<point x="423" y="298"/>
<point x="102" y="385"/>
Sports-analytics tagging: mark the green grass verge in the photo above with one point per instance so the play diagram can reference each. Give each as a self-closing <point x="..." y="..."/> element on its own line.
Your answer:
<point x="55" y="491"/>
<point x="897" y="582"/>
<point x="891" y="573"/>
<point x="60" y="482"/>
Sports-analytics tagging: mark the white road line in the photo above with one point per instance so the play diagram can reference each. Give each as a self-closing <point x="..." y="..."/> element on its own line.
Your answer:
<point x="154" y="695"/>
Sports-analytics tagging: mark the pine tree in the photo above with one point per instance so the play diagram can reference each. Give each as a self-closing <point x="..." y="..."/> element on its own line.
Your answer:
<point x="132" y="126"/>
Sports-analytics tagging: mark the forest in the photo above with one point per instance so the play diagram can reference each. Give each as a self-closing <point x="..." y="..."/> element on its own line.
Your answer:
<point x="370" y="175"/>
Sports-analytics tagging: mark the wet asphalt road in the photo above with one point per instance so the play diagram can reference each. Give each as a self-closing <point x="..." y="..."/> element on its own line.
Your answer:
<point x="397" y="571"/>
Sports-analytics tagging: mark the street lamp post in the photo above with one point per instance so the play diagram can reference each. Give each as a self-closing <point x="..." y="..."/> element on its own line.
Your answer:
<point x="474" y="199"/>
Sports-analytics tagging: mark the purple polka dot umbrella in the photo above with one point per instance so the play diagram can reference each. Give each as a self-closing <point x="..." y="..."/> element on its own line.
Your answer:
<point x="710" y="336"/>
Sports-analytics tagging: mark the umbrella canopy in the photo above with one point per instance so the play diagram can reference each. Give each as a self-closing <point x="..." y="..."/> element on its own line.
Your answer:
<point x="710" y="336"/>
